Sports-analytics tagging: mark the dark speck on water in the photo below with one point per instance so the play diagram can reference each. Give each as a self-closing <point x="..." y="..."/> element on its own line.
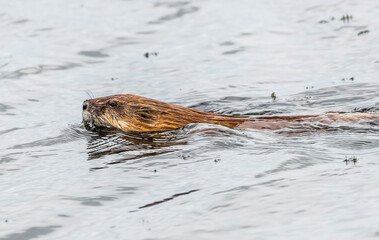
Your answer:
<point x="203" y="181"/>
<point x="363" y="32"/>
<point x="346" y="18"/>
<point x="351" y="160"/>
<point x="273" y="96"/>
<point x="147" y="55"/>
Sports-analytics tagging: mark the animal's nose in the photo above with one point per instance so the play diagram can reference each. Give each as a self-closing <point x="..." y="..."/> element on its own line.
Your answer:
<point x="85" y="105"/>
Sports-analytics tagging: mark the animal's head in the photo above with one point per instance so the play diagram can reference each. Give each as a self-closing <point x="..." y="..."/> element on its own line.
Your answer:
<point x="134" y="113"/>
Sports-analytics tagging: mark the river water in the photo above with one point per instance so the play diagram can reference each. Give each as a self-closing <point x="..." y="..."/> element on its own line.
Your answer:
<point x="59" y="181"/>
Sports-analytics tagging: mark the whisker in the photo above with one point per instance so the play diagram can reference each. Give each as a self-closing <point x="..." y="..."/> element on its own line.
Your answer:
<point x="90" y="94"/>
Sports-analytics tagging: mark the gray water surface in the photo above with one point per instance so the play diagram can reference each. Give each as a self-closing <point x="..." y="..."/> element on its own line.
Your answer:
<point x="60" y="181"/>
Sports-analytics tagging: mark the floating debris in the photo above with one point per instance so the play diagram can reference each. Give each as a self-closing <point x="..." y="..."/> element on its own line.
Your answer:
<point x="346" y="18"/>
<point x="323" y="21"/>
<point x="217" y="160"/>
<point x="363" y="32"/>
<point x="273" y="96"/>
<point x="147" y="55"/>
<point x="184" y="156"/>
<point x="352" y="160"/>
<point x="347" y="79"/>
<point x="309" y="87"/>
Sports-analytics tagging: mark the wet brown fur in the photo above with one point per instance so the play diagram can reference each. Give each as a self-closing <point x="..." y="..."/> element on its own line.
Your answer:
<point x="132" y="113"/>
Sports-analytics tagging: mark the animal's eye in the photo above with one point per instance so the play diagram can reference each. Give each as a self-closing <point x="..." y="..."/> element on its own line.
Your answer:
<point x="144" y="115"/>
<point x="113" y="104"/>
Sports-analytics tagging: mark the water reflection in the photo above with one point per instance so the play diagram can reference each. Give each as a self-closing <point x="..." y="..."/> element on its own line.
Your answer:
<point x="93" y="54"/>
<point x="182" y="9"/>
<point x="168" y="199"/>
<point x="132" y="146"/>
<point x="21" y="21"/>
<point x="233" y="51"/>
<point x="32" y="232"/>
<point x="118" y="148"/>
<point x="4" y="108"/>
<point x="91" y="201"/>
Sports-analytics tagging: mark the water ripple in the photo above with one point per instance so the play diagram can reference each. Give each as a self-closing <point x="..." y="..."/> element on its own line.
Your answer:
<point x="182" y="10"/>
<point x="32" y="232"/>
<point x="38" y="70"/>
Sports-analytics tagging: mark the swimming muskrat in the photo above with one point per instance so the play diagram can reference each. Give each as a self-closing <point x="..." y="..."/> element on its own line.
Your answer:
<point x="132" y="113"/>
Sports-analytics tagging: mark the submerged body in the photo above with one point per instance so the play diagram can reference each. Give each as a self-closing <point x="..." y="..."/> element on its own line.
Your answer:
<point x="132" y="113"/>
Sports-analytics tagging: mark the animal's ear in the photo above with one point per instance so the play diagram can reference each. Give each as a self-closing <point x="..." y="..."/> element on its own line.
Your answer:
<point x="146" y="114"/>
